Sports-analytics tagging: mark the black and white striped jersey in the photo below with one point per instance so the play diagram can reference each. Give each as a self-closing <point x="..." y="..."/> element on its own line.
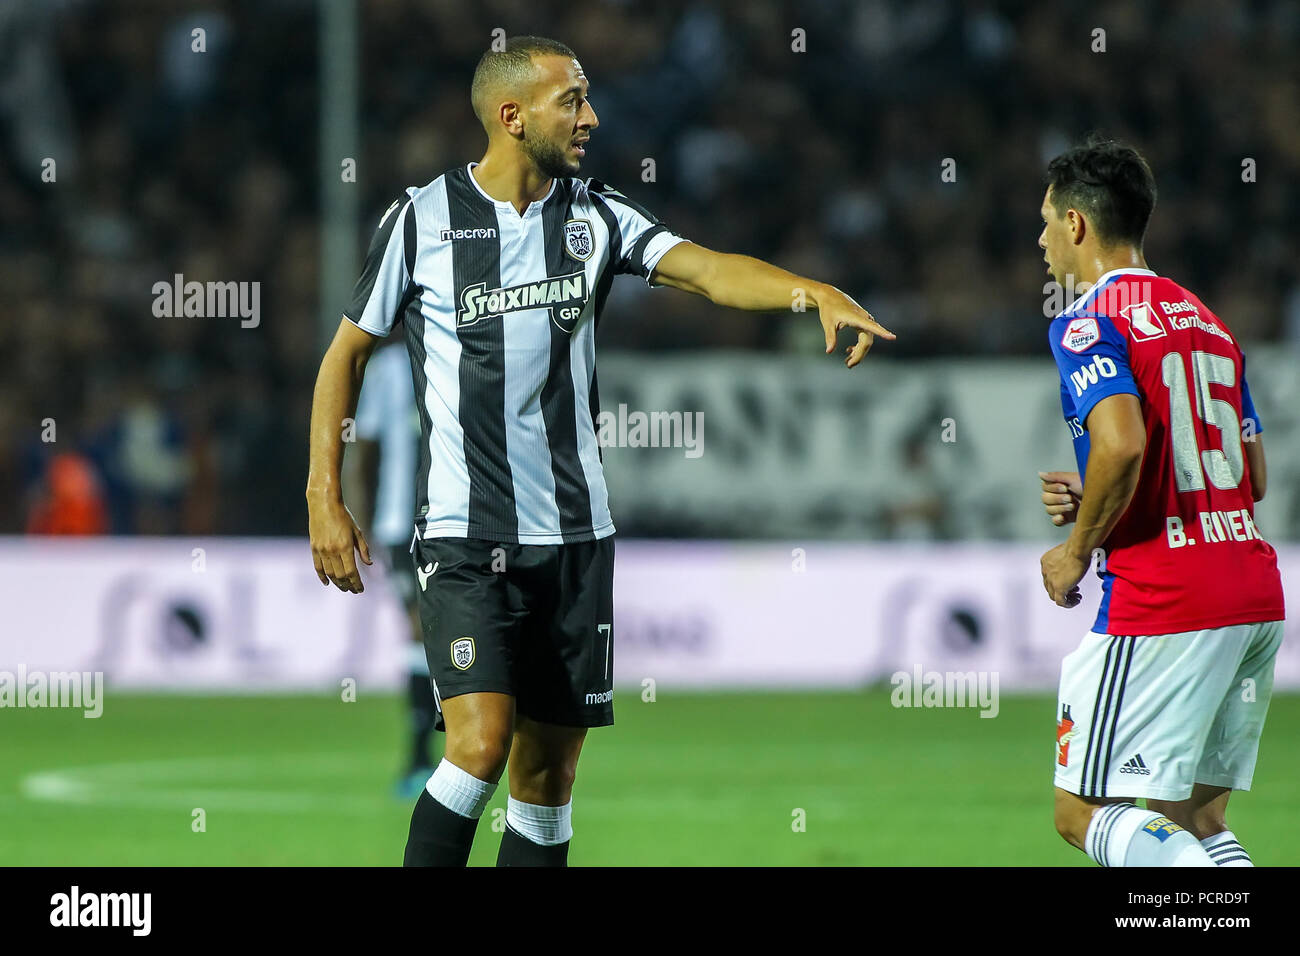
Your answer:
<point x="500" y="313"/>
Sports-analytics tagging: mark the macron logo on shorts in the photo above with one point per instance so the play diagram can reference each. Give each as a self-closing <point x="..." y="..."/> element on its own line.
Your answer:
<point x="425" y="573"/>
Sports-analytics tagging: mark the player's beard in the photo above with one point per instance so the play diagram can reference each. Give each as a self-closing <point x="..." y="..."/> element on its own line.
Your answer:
<point x="548" y="157"/>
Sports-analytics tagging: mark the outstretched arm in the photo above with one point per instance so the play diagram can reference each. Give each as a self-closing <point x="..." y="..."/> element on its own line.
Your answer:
<point x="743" y="282"/>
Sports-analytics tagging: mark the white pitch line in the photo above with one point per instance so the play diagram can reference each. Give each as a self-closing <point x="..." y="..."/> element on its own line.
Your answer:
<point x="136" y="784"/>
<point x="153" y="785"/>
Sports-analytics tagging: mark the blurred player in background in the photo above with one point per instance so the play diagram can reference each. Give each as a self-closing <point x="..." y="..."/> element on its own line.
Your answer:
<point x="1165" y="699"/>
<point x="498" y="271"/>
<point x="380" y="468"/>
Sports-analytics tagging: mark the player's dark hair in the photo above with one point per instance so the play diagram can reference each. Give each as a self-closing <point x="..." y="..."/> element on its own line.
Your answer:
<point x="510" y="67"/>
<point x="1110" y="183"/>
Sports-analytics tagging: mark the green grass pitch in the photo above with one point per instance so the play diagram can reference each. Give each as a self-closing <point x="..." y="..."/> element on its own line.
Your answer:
<point x="687" y="780"/>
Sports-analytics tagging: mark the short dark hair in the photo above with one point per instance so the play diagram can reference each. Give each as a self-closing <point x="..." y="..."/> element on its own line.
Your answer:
<point x="510" y="67"/>
<point x="1110" y="183"/>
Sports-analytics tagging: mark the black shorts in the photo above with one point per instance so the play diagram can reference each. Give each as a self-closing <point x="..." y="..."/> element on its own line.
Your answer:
<point x="534" y="621"/>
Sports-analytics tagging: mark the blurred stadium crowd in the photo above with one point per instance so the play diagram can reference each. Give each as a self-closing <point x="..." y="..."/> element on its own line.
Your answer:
<point x="827" y="162"/>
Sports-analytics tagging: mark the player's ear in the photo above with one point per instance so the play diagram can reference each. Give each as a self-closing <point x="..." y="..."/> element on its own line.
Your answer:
<point x="512" y="117"/>
<point x="1078" y="226"/>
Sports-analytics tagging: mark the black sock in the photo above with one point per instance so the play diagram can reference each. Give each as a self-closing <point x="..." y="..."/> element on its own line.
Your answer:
<point x="438" y="837"/>
<point x="424" y="714"/>
<point x="519" y="851"/>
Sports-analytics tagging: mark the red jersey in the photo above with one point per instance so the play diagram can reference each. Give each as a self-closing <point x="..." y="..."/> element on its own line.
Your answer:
<point x="1186" y="555"/>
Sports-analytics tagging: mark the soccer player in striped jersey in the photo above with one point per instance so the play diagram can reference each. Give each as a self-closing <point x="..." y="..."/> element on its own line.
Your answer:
<point x="1166" y="696"/>
<point x="497" y="272"/>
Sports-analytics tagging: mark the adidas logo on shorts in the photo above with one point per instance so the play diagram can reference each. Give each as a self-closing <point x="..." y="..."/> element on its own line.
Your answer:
<point x="1136" y="765"/>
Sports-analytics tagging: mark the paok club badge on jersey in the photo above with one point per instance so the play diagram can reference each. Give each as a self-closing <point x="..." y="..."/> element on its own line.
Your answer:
<point x="577" y="239"/>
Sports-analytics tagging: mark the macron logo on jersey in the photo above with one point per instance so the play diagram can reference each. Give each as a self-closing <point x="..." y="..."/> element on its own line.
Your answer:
<point x="1080" y="334"/>
<point x="453" y="235"/>
<point x="1100" y="367"/>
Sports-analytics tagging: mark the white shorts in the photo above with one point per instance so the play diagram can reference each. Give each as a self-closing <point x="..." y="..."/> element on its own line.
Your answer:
<point x="1151" y="716"/>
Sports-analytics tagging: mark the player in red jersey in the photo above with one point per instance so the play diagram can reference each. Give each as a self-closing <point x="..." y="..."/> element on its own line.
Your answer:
<point x="1165" y="698"/>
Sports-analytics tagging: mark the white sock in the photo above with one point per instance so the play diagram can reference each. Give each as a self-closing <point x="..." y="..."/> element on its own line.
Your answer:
<point x="1120" y="834"/>
<point x="1224" y="850"/>
<point x="458" y="791"/>
<point x="545" y="826"/>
